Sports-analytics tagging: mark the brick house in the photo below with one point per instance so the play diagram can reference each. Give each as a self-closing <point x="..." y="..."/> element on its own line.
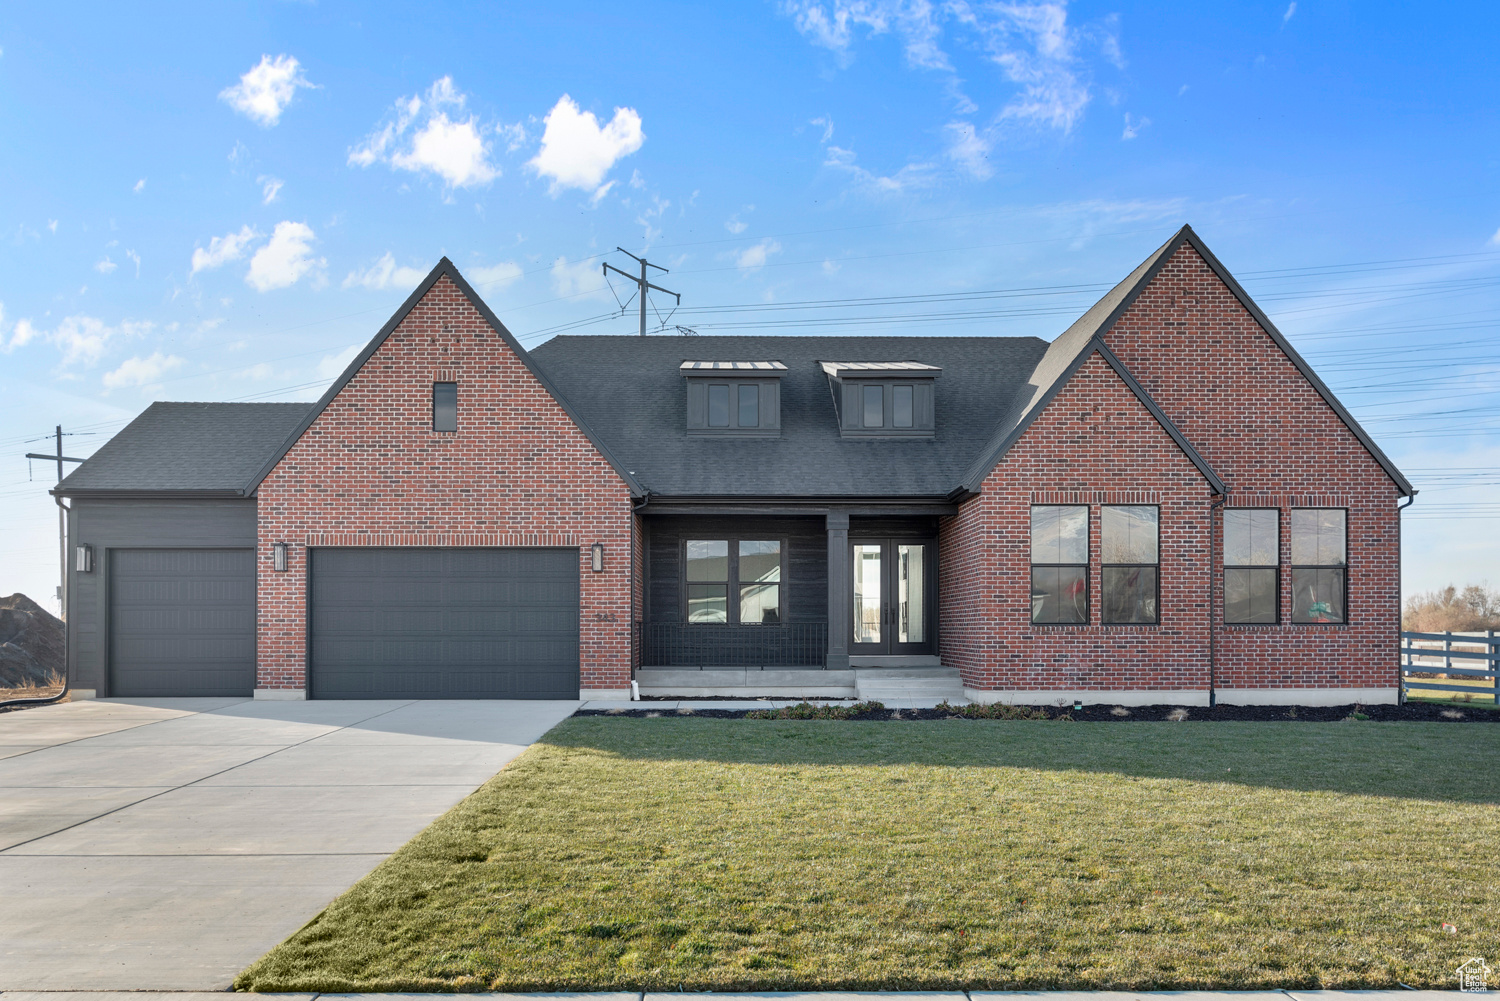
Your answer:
<point x="1163" y="504"/>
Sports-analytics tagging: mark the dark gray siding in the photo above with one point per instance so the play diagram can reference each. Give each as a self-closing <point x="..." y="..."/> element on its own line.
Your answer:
<point x="135" y="524"/>
<point x="801" y="639"/>
<point x="806" y="586"/>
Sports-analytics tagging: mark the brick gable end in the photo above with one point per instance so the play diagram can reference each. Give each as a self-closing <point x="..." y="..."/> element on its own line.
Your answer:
<point x="1269" y="433"/>
<point x="1095" y="443"/>
<point x="371" y="471"/>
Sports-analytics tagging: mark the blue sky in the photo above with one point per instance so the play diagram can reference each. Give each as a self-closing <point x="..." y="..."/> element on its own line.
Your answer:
<point x="219" y="202"/>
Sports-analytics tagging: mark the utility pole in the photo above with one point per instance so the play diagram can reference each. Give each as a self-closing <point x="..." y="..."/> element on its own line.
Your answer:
<point x="62" y="524"/>
<point x="641" y="282"/>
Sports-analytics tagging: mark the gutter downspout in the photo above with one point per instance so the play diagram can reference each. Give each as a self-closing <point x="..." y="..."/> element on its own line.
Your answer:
<point x="1213" y="581"/>
<point x="1400" y="598"/>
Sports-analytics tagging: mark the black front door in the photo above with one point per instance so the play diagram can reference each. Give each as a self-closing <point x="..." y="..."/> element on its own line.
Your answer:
<point x="893" y="591"/>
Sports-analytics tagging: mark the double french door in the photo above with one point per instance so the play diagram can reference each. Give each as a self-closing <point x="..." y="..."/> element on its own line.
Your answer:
<point x="893" y="584"/>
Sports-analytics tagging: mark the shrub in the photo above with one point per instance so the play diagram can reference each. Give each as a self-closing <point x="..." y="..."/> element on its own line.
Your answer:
<point x="994" y="710"/>
<point x="807" y="710"/>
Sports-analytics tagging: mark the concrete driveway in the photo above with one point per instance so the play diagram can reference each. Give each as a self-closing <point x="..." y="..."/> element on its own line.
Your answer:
<point x="164" y="844"/>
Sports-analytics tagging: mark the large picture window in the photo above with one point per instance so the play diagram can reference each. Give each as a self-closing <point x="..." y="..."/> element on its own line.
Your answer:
<point x="1060" y="564"/>
<point x="1320" y="541"/>
<point x="1130" y="557"/>
<point x="752" y="566"/>
<point x="1252" y="565"/>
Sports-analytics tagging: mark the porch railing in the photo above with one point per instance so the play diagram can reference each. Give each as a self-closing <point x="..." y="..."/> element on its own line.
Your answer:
<point x="1433" y="656"/>
<point x="681" y="644"/>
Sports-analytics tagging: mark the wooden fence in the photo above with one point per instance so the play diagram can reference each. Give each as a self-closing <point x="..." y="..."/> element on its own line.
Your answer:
<point x="1437" y="658"/>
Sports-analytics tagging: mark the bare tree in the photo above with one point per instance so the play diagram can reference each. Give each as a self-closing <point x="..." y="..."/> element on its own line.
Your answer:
<point x="1448" y="609"/>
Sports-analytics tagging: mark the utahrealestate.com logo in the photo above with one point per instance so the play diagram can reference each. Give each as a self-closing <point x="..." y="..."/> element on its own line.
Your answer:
<point x="1474" y="975"/>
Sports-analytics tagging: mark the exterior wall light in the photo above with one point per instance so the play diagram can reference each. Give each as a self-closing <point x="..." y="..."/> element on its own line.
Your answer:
<point x="85" y="559"/>
<point x="278" y="557"/>
<point x="598" y="551"/>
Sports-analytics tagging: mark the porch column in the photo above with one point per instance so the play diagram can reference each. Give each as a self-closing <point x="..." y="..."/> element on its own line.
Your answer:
<point x="838" y="591"/>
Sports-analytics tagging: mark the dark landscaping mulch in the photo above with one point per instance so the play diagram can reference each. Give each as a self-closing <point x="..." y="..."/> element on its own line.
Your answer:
<point x="1411" y="712"/>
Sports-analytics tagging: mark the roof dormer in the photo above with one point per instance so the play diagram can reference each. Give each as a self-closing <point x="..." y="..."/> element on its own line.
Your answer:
<point x="883" y="399"/>
<point x="734" y="398"/>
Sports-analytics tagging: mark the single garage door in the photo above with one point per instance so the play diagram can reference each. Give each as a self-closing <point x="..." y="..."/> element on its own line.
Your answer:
<point x="182" y="622"/>
<point x="444" y="623"/>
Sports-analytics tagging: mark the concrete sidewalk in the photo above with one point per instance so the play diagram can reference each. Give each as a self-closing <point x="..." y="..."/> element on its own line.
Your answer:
<point x="808" y="996"/>
<point x="166" y="844"/>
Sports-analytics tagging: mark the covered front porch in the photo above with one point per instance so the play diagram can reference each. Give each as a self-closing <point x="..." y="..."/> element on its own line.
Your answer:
<point x="802" y="604"/>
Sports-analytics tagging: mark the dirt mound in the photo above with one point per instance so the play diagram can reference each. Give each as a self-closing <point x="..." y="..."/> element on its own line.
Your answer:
<point x="31" y="644"/>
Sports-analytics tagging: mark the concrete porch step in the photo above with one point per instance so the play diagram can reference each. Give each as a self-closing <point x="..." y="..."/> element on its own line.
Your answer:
<point x="740" y="682"/>
<point x="883" y="683"/>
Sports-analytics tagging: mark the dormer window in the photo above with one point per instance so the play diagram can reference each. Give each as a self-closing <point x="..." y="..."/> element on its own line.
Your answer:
<point x="736" y="398"/>
<point x="883" y="398"/>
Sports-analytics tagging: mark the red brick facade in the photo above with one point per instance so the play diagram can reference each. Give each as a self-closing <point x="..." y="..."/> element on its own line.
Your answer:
<point x="1094" y="444"/>
<point x="519" y="472"/>
<point x="1262" y="427"/>
<point x="1277" y="443"/>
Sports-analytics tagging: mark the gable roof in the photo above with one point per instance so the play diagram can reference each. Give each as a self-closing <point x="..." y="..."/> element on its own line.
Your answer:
<point x="443" y="268"/>
<point x="1035" y="401"/>
<point x="631" y="391"/>
<point x="193" y="449"/>
<point x="1073" y="346"/>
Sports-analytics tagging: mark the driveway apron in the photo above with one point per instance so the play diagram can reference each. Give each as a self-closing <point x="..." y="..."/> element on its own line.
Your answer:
<point x="165" y="844"/>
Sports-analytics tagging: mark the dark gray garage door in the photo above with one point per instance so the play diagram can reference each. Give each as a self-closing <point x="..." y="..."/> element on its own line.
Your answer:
<point x="182" y="622"/>
<point x="444" y="623"/>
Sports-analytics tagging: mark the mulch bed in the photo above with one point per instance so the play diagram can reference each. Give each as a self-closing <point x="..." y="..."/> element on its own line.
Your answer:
<point x="1411" y="712"/>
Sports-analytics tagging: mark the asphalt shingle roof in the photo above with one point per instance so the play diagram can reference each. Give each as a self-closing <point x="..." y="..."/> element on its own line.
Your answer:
<point x="188" y="447"/>
<point x="632" y="395"/>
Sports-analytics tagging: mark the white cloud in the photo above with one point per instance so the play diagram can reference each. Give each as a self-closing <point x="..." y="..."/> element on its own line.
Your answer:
<point x="913" y="175"/>
<point x="81" y="339"/>
<point x="105" y="266"/>
<point x="52" y="225"/>
<point x="577" y="152"/>
<point x="139" y="186"/>
<point x="384" y="273"/>
<point x="334" y="365"/>
<point x="637" y="181"/>
<point x="755" y="256"/>
<point x="223" y="249"/>
<point x="136" y="258"/>
<point x="1290" y="10"/>
<point x="285" y="259"/>
<point x="421" y="138"/>
<point x="734" y="225"/>
<point x="22" y="334"/>
<point x="263" y="370"/>
<point x="266" y="89"/>
<point x="270" y="187"/>
<point x="915" y="21"/>
<point x="1495" y="240"/>
<point x="970" y="148"/>
<point x="1031" y="43"/>
<point x="827" y="123"/>
<point x="141" y="371"/>
<point x="1182" y="90"/>
<point x="1133" y="126"/>
<point x="583" y="278"/>
<point x="501" y="274"/>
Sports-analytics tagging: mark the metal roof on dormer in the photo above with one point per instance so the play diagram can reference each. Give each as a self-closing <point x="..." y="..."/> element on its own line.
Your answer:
<point x="838" y="369"/>
<point x="695" y="367"/>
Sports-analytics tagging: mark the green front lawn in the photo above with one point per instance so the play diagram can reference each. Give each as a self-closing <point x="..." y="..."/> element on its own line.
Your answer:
<point x="758" y="855"/>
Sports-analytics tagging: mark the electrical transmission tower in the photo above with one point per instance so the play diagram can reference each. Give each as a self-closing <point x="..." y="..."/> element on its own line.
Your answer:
<point x="641" y="282"/>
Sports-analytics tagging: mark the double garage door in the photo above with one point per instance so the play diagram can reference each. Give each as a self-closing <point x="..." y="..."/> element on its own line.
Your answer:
<point x="383" y="623"/>
<point x="444" y="623"/>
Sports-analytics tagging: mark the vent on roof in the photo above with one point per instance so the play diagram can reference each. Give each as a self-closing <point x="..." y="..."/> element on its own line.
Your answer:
<point x="883" y="399"/>
<point x="734" y="398"/>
